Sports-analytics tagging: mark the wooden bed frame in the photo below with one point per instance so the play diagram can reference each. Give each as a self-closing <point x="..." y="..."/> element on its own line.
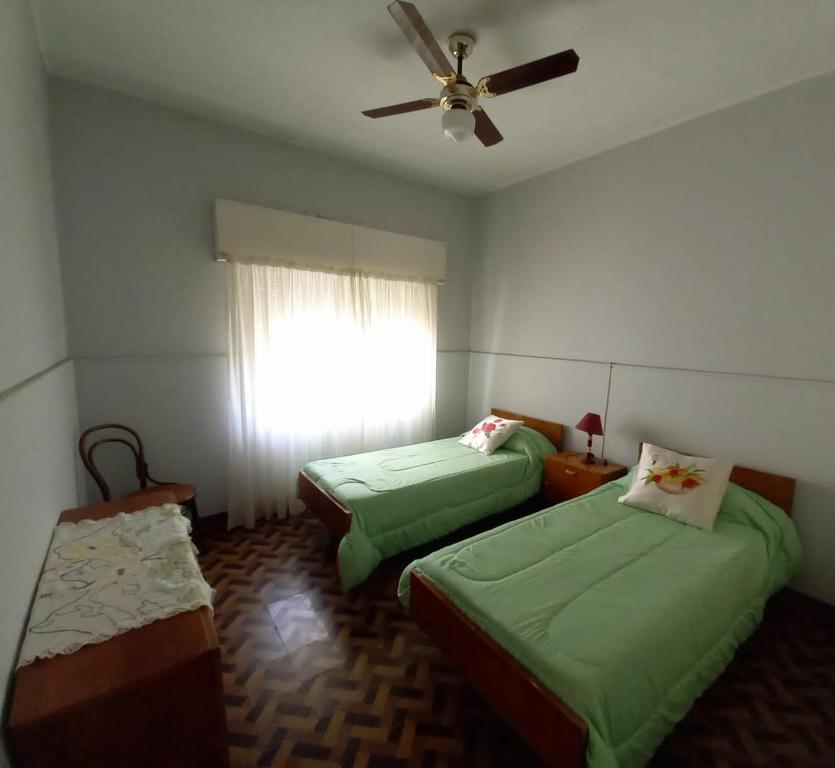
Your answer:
<point x="548" y="725"/>
<point x="337" y="519"/>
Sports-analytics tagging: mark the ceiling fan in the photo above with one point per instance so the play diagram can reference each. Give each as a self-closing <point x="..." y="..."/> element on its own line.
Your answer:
<point x="463" y="115"/>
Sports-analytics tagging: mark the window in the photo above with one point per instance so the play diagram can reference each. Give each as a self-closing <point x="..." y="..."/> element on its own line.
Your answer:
<point x="321" y="364"/>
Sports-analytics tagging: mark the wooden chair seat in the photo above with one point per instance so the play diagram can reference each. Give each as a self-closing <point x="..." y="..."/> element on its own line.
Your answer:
<point x="182" y="492"/>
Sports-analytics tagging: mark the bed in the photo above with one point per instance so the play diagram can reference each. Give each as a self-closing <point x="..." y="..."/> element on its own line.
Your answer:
<point x="381" y="503"/>
<point x="592" y="626"/>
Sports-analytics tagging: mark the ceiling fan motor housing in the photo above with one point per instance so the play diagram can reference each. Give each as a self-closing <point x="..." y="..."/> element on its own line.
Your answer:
<point x="460" y="95"/>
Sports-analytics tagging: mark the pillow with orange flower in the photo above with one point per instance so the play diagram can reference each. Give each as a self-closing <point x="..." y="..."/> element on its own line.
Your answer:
<point x="689" y="489"/>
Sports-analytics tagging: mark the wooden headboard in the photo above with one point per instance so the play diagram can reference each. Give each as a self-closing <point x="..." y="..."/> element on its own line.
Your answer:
<point x="550" y="429"/>
<point x="778" y="489"/>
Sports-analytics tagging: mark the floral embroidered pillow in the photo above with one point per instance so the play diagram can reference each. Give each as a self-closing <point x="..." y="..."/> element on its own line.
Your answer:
<point x="490" y="433"/>
<point x="689" y="489"/>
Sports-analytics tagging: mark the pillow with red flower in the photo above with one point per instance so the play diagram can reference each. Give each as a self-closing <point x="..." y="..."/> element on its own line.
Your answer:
<point x="490" y="433"/>
<point x="689" y="489"/>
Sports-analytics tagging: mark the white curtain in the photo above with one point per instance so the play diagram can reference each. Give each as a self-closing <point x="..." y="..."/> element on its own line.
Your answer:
<point x="321" y="365"/>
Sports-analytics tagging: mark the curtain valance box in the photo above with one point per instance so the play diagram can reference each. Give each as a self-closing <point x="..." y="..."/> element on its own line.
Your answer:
<point x="258" y="235"/>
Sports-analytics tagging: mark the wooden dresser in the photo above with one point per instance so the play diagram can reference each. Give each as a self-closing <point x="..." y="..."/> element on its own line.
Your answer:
<point x="151" y="697"/>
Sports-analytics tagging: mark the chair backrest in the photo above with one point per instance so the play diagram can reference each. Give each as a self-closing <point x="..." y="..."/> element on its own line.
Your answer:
<point x="131" y="440"/>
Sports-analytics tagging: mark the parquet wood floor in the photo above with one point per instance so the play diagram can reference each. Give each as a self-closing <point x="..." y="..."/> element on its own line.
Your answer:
<point x="314" y="677"/>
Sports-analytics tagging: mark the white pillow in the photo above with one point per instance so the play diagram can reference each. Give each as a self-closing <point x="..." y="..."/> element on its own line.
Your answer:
<point x="490" y="433"/>
<point x="689" y="489"/>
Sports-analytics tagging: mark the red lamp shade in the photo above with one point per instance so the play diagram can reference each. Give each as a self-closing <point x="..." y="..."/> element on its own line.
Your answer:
<point x="591" y="424"/>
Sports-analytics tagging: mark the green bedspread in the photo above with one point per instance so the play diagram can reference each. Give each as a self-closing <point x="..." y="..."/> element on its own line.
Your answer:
<point x="626" y="615"/>
<point x="402" y="497"/>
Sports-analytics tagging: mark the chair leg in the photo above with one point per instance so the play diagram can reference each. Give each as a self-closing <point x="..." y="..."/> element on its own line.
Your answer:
<point x="191" y="505"/>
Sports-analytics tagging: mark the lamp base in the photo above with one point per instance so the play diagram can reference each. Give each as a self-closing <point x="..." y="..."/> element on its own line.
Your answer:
<point x="589" y="455"/>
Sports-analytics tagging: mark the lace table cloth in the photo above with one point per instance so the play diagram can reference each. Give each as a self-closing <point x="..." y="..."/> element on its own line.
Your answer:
<point x="105" y="577"/>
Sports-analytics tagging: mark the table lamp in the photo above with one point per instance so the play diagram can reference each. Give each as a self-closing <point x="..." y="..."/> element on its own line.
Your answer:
<point x="590" y="423"/>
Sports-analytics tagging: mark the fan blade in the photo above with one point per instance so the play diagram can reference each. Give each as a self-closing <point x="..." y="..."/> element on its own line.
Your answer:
<point x="399" y="109"/>
<point x="485" y="131"/>
<point x="417" y="33"/>
<point x="533" y="72"/>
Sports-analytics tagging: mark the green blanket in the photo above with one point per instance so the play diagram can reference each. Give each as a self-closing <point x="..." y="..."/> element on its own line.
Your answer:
<point x="626" y="615"/>
<point x="402" y="497"/>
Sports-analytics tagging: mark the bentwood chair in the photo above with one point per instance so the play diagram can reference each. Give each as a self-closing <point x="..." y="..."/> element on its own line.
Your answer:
<point x="186" y="495"/>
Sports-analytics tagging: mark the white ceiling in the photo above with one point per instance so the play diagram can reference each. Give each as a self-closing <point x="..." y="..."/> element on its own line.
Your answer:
<point x="302" y="70"/>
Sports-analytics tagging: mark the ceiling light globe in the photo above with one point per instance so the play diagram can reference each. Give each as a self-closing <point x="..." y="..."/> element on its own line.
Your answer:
<point x="458" y="124"/>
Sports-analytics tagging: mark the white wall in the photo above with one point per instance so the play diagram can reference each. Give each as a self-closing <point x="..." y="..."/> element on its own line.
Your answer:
<point x="37" y="401"/>
<point x="134" y="184"/>
<point x="700" y="262"/>
<point x="31" y="309"/>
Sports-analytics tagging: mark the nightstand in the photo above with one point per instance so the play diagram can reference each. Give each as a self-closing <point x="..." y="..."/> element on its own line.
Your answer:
<point x="566" y="476"/>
